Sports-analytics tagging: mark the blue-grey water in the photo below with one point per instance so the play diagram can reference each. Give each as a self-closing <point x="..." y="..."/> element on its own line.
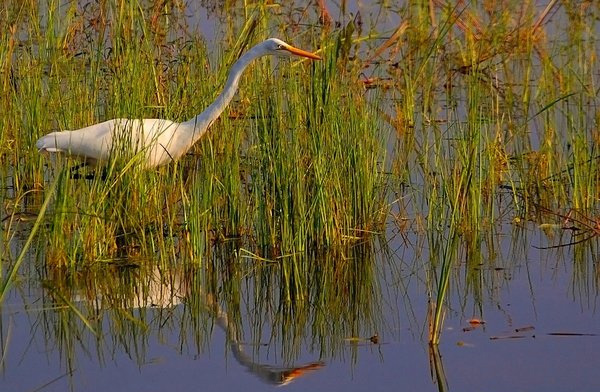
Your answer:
<point x="541" y="327"/>
<point x="540" y="333"/>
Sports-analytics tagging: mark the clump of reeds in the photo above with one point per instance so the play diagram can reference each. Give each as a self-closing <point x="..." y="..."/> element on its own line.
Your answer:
<point x="295" y="165"/>
<point x="485" y="107"/>
<point x="487" y="102"/>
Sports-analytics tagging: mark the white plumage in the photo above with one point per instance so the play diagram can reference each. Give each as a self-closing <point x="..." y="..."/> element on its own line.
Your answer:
<point x="156" y="141"/>
<point x="160" y="141"/>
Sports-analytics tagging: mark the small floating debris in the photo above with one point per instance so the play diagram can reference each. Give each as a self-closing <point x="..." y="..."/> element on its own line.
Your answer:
<point x="525" y="328"/>
<point x="355" y="340"/>
<point x="473" y="324"/>
<point x="502" y="337"/>
<point x="476" y="321"/>
<point x="570" y="334"/>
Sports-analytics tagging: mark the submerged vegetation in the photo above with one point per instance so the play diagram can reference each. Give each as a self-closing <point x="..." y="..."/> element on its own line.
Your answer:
<point x="437" y="124"/>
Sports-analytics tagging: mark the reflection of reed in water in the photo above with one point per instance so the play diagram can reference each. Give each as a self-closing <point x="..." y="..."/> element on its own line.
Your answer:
<point x="141" y="290"/>
<point x="323" y="299"/>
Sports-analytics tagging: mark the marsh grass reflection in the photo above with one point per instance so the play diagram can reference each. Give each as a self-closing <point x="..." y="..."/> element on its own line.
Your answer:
<point x="292" y="305"/>
<point x="470" y="123"/>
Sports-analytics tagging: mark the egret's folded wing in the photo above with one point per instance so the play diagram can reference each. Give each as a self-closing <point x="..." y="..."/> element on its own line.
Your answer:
<point x="89" y="142"/>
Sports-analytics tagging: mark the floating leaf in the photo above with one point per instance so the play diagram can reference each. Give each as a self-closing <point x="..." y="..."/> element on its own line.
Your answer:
<point x="571" y="334"/>
<point x="525" y="328"/>
<point x="475" y="321"/>
<point x="507" y="337"/>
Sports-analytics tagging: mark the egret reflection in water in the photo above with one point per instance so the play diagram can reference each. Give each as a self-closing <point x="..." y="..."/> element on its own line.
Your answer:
<point x="158" y="290"/>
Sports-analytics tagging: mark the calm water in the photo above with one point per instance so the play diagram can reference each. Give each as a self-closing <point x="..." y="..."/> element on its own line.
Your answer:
<point x="541" y="327"/>
<point x="531" y="304"/>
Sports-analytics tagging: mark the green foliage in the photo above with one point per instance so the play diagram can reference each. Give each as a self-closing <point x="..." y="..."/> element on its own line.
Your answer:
<point x="439" y="120"/>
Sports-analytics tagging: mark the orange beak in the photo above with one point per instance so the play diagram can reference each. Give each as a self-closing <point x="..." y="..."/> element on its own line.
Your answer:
<point x="302" y="53"/>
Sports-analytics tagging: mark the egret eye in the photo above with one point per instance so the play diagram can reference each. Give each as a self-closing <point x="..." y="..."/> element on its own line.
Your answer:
<point x="279" y="47"/>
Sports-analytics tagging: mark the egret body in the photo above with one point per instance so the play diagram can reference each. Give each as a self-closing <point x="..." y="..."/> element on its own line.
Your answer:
<point x="158" y="141"/>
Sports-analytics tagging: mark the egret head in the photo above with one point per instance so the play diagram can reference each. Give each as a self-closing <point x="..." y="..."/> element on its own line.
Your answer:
<point x="278" y="47"/>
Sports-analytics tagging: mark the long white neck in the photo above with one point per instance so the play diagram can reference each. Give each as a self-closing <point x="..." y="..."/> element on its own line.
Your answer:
<point x="199" y="124"/>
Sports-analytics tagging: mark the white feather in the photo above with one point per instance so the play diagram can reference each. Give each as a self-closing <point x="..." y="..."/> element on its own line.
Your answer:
<point x="155" y="141"/>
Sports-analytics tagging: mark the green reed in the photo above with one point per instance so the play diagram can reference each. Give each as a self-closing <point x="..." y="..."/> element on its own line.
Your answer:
<point x="485" y="104"/>
<point x="480" y="105"/>
<point x="304" y="170"/>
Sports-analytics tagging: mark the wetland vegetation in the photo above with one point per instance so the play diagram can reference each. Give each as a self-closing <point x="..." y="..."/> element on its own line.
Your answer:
<point x="414" y="163"/>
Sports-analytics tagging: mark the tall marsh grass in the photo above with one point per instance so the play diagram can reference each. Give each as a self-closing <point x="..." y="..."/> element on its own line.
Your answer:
<point x="293" y="165"/>
<point x="450" y="112"/>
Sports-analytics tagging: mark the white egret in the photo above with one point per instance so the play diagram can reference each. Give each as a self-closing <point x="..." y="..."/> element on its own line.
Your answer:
<point x="158" y="141"/>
